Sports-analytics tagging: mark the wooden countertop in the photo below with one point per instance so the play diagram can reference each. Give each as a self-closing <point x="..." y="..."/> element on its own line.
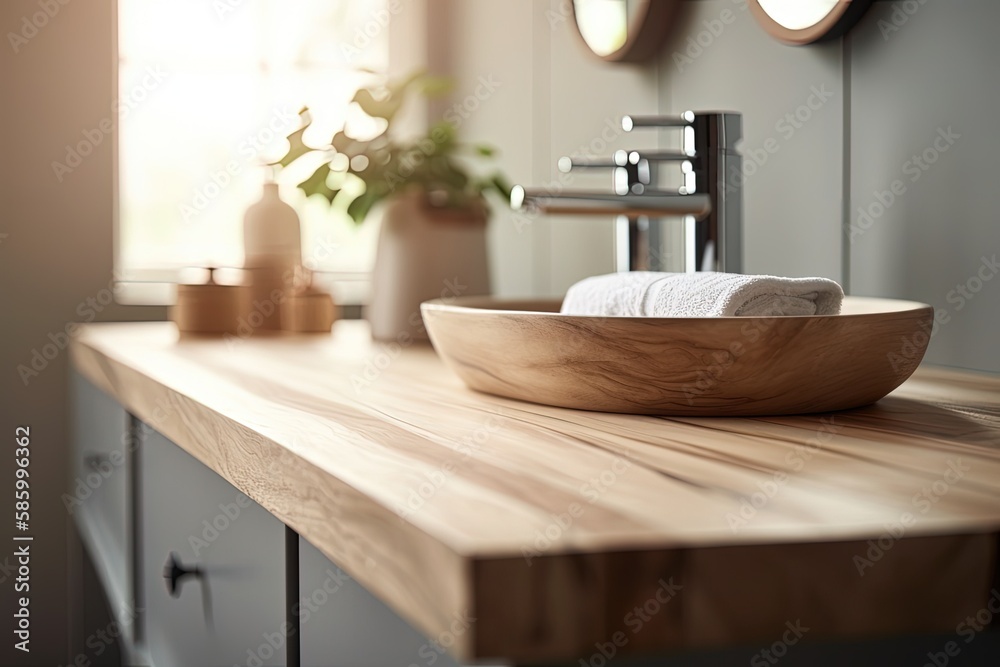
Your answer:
<point x="546" y="524"/>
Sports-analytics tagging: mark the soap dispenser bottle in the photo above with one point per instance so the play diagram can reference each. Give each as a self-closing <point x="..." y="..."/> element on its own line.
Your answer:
<point x="272" y="248"/>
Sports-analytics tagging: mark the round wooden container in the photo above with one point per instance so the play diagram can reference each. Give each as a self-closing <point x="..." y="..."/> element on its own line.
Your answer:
<point x="308" y="311"/>
<point x="209" y="309"/>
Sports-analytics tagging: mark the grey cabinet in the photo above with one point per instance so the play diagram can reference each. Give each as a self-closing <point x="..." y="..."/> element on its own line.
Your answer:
<point x="233" y="611"/>
<point x="138" y="498"/>
<point x="98" y="497"/>
<point x="342" y="624"/>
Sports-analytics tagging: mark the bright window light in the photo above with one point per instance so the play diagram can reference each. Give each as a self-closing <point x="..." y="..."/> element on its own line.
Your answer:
<point x="209" y="89"/>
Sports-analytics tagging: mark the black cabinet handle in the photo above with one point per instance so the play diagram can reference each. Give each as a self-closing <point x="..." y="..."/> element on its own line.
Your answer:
<point x="94" y="460"/>
<point x="175" y="572"/>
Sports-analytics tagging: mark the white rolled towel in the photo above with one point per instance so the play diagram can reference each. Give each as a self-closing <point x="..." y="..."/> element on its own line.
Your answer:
<point x="701" y="294"/>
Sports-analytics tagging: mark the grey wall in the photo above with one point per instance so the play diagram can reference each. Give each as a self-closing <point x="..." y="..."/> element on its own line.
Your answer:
<point x="548" y="100"/>
<point x="56" y="253"/>
<point x="923" y="105"/>
<point x="824" y="202"/>
<point x="792" y="193"/>
<point x="879" y="96"/>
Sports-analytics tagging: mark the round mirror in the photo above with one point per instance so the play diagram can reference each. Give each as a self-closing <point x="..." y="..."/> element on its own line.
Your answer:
<point x="806" y="21"/>
<point x="623" y="30"/>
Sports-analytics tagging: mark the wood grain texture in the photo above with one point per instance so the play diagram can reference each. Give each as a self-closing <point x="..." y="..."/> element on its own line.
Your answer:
<point x="713" y="367"/>
<point x="546" y="524"/>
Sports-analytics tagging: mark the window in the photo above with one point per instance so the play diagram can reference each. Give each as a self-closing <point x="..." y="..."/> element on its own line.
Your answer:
<point x="208" y="90"/>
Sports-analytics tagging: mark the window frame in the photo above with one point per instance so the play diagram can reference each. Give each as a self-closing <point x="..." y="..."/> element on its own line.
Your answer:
<point x="156" y="286"/>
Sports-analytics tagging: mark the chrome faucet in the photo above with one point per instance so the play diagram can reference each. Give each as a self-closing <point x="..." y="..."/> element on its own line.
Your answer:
<point x="710" y="201"/>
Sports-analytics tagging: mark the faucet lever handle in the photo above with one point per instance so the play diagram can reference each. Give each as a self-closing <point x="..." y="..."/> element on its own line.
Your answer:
<point x="683" y="119"/>
<point x="567" y="163"/>
<point x="629" y="173"/>
<point x="635" y="157"/>
<point x="709" y="130"/>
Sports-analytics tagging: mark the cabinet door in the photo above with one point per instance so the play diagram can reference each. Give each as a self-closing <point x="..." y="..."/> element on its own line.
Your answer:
<point x="233" y="612"/>
<point x="343" y="624"/>
<point x="98" y="494"/>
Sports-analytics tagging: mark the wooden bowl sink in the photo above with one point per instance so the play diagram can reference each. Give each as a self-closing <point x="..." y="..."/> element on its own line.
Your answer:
<point x="719" y="366"/>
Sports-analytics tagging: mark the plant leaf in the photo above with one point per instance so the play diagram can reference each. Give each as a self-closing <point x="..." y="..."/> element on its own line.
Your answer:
<point x="435" y="163"/>
<point x="359" y="208"/>
<point x="386" y="105"/>
<point x="442" y="134"/>
<point x="296" y="146"/>
<point x="446" y="171"/>
<point x="500" y="182"/>
<point x="384" y="108"/>
<point x="348" y="146"/>
<point x="317" y="184"/>
<point x="435" y="86"/>
<point x="399" y="86"/>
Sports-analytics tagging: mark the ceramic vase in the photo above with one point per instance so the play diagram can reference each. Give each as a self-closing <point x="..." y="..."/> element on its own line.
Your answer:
<point x="424" y="252"/>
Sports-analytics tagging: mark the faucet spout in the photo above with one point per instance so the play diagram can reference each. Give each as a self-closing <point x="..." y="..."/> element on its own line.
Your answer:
<point x="710" y="201"/>
<point x="653" y="204"/>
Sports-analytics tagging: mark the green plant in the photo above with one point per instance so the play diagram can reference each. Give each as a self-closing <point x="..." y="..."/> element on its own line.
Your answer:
<point x="385" y="166"/>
